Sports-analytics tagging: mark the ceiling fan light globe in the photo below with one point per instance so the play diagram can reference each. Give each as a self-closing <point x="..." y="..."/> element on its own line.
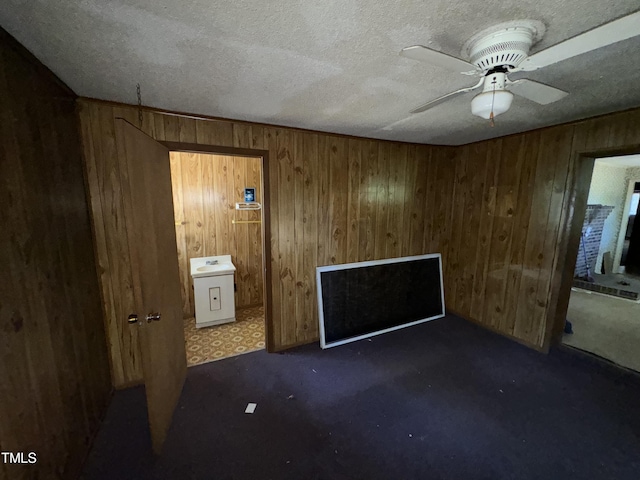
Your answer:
<point x="484" y="103"/>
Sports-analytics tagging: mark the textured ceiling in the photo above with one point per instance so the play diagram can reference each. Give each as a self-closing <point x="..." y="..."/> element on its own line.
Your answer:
<point x="329" y="65"/>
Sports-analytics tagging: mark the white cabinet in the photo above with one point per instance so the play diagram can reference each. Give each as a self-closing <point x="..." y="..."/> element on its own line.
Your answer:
<point x="213" y="290"/>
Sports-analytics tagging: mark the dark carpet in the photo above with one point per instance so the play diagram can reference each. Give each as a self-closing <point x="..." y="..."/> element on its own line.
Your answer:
<point x="441" y="400"/>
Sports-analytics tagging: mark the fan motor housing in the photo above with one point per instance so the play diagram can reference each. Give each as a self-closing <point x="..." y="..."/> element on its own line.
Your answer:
<point x="503" y="45"/>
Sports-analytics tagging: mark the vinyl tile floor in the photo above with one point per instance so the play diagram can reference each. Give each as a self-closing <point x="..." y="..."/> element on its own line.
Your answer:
<point x="207" y="344"/>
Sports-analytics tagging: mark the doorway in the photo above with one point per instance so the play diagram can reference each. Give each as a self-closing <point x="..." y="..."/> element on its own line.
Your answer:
<point x="630" y="232"/>
<point x="212" y="218"/>
<point x="603" y="315"/>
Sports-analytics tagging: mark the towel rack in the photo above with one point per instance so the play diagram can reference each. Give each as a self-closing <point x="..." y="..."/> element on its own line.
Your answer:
<point x="248" y="206"/>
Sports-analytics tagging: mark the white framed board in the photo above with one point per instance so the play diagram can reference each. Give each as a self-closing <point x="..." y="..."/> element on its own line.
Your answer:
<point x="360" y="300"/>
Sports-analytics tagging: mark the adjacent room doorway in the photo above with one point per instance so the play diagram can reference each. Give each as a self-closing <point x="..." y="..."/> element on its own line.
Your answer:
<point x="214" y="218"/>
<point x="145" y="169"/>
<point x="604" y="305"/>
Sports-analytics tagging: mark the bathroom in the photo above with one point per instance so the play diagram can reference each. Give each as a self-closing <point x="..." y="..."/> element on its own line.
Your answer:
<point x="215" y="215"/>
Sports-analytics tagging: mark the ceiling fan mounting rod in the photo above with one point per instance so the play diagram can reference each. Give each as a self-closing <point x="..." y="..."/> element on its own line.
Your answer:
<point x="499" y="69"/>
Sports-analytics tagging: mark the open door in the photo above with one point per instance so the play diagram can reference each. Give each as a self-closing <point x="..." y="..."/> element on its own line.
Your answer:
<point x="146" y="180"/>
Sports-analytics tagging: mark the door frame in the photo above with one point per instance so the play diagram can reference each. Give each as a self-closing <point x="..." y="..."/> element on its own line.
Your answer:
<point x="626" y="212"/>
<point x="266" y="219"/>
<point x="573" y="212"/>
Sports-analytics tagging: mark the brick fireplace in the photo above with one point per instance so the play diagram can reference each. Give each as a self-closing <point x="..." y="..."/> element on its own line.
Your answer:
<point x="592" y="230"/>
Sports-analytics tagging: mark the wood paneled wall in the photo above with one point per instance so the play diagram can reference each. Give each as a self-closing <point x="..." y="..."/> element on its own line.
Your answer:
<point x="517" y="207"/>
<point x="54" y="368"/>
<point x="205" y="190"/>
<point x="332" y="200"/>
<point x="499" y="211"/>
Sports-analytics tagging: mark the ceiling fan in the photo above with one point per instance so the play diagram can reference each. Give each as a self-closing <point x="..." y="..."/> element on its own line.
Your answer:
<point x="503" y="49"/>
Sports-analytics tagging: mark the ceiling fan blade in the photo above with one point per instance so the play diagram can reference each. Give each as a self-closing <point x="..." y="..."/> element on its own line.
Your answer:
<point x="424" y="54"/>
<point x="446" y="97"/>
<point x="536" y="92"/>
<point x="612" y="32"/>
